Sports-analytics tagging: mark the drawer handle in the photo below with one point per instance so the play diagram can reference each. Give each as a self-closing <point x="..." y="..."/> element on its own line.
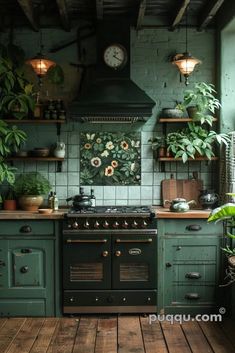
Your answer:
<point x="26" y="229"/>
<point x="194" y="227"/>
<point x="192" y="296"/>
<point x="193" y="275"/>
<point x="149" y="240"/>
<point x="86" y="241"/>
<point x="2" y="263"/>
<point x="168" y="264"/>
<point x="26" y="251"/>
<point x="24" y="269"/>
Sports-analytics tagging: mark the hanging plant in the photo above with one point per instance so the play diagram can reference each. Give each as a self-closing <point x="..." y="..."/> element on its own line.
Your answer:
<point x="55" y="75"/>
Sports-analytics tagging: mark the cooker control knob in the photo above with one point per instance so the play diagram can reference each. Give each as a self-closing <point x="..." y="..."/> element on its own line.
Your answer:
<point x="144" y="224"/>
<point x="96" y="299"/>
<point x="148" y="299"/>
<point x="110" y="299"/>
<point x="105" y="253"/>
<point x="71" y="299"/>
<point x="115" y="224"/>
<point x="105" y="224"/>
<point x="125" y="224"/>
<point x="124" y="299"/>
<point x="69" y="226"/>
<point x="96" y="225"/>
<point x="134" y="224"/>
<point x="86" y="224"/>
<point x="75" y="225"/>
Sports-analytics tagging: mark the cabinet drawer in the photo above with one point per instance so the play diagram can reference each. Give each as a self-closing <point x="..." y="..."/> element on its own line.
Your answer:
<point x="194" y="252"/>
<point x="195" y="273"/>
<point x="27" y="227"/>
<point x="192" y="226"/>
<point x="192" y="295"/>
<point x="23" y="307"/>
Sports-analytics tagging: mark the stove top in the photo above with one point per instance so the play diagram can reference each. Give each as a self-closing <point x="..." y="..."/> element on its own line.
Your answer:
<point x="114" y="210"/>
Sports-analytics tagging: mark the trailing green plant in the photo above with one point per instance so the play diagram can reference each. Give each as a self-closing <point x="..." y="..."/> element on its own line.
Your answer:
<point x="194" y="140"/>
<point x="32" y="184"/>
<point x="11" y="139"/>
<point x="202" y="96"/>
<point x="16" y="93"/>
<point x="226" y="213"/>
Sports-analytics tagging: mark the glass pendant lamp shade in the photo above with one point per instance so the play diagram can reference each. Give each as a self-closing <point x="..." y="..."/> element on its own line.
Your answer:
<point x="40" y="64"/>
<point x="185" y="63"/>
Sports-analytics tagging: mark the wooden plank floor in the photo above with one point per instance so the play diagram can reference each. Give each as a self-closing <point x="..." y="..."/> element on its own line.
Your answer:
<point x="114" y="334"/>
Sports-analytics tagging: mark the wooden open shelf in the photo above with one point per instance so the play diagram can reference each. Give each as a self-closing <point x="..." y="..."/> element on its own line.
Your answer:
<point x="46" y="159"/>
<point x="178" y="120"/>
<point x="172" y="159"/>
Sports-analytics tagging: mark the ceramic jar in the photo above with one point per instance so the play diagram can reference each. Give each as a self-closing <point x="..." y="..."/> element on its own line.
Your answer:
<point x="59" y="151"/>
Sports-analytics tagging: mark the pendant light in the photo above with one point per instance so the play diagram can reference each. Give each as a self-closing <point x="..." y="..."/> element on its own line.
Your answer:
<point x="185" y="61"/>
<point x="40" y="63"/>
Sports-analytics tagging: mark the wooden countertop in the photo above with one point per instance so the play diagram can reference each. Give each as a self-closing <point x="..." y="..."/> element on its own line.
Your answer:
<point x="166" y="213"/>
<point x="160" y="213"/>
<point x="31" y="215"/>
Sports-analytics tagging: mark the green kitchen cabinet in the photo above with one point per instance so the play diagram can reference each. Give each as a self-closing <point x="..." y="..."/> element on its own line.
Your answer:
<point x="29" y="268"/>
<point x="189" y="266"/>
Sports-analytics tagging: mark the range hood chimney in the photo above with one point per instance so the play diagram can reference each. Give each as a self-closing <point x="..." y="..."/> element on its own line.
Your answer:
<point x="112" y="96"/>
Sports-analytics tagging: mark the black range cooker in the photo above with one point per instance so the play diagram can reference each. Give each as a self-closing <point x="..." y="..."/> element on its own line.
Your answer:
<point x="110" y="260"/>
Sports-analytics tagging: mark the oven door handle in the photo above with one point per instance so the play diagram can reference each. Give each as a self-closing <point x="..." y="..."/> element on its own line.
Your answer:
<point x="86" y="241"/>
<point x="149" y="240"/>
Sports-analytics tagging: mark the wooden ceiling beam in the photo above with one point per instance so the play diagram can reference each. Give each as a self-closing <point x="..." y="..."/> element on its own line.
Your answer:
<point x="180" y="14"/>
<point x="63" y="10"/>
<point x="141" y="13"/>
<point x="209" y="12"/>
<point x="27" y="8"/>
<point x="99" y="9"/>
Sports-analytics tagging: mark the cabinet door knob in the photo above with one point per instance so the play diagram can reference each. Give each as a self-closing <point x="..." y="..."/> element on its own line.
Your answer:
<point x="25" y="229"/>
<point x="2" y="263"/>
<point x="24" y="269"/>
<point x="194" y="227"/>
<point x="105" y="253"/>
<point x="178" y="248"/>
<point x="193" y="275"/>
<point x="168" y="264"/>
<point x="192" y="296"/>
<point x="118" y="253"/>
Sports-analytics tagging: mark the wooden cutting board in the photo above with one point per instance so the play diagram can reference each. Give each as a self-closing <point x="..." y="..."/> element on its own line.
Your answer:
<point x="187" y="189"/>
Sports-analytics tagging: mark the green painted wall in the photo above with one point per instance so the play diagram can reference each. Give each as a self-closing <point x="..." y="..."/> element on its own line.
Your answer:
<point x="153" y="72"/>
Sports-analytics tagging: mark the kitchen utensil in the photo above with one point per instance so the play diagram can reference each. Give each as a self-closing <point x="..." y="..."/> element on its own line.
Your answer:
<point x="208" y="198"/>
<point x="182" y="188"/>
<point x="179" y="204"/>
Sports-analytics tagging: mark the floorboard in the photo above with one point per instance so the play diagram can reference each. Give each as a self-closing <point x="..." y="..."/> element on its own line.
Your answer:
<point x="114" y="334"/>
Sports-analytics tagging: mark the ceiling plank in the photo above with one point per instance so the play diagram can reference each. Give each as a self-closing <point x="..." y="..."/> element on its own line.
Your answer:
<point x="209" y="12"/>
<point x="141" y="13"/>
<point x="63" y="10"/>
<point x="99" y="9"/>
<point x="180" y="13"/>
<point x="27" y="8"/>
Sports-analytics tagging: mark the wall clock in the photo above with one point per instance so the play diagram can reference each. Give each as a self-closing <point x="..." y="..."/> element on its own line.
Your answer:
<point x="115" y="56"/>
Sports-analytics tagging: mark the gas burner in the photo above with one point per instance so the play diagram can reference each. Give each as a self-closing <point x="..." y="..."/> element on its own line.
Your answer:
<point x="111" y="210"/>
<point x="88" y="210"/>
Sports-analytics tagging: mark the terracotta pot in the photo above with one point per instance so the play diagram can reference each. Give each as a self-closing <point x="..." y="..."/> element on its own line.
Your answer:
<point x="9" y="205"/>
<point x="30" y="202"/>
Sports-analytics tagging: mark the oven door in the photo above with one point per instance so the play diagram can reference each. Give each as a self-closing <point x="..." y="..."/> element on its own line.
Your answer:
<point x="86" y="262"/>
<point x="135" y="261"/>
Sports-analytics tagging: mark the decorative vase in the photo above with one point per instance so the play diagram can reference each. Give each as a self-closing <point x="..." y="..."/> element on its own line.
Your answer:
<point x="30" y="202"/>
<point x="9" y="205"/>
<point x="59" y="151"/>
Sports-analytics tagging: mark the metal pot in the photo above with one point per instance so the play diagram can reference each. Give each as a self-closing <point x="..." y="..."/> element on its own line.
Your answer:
<point x="81" y="200"/>
<point x="179" y="205"/>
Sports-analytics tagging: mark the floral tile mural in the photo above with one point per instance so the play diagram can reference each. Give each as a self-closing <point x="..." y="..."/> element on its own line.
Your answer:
<point x="110" y="158"/>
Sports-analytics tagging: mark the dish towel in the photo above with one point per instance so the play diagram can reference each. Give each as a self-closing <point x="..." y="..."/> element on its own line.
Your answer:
<point x="227" y="169"/>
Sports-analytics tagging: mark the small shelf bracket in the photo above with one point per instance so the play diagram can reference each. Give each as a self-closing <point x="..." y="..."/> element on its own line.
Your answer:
<point x="59" y="166"/>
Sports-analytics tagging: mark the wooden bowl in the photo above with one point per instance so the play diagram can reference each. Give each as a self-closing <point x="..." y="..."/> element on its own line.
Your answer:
<point x="41" y="152"/>
<point x="45" y="210"/>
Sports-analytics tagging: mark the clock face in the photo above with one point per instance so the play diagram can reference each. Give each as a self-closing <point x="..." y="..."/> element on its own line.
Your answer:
<point x="115" y="56"/>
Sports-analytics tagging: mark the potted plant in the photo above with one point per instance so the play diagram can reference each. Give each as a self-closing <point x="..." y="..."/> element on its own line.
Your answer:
<point x="192" y="141"/>
<point x="226" y="213"/>
<point x="11" y="139"/>
<point x="17" y="97"/>
<point x="9" y="203"/>
<point x="30" y="189"/>
<point x="201" y="102"/>
<point x="158" y="145"/>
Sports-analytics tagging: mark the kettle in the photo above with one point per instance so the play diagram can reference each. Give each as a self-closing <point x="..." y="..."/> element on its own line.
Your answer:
<point x="179" y="204"/>
<point x="208" y="199"/>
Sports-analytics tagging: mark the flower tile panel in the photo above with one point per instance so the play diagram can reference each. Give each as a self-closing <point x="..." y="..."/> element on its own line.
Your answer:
<point x="110" y="158"/>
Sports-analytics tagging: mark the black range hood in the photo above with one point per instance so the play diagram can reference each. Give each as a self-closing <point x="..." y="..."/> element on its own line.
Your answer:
<point x="111" y="96"/>
<point x="112" y="100"/>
